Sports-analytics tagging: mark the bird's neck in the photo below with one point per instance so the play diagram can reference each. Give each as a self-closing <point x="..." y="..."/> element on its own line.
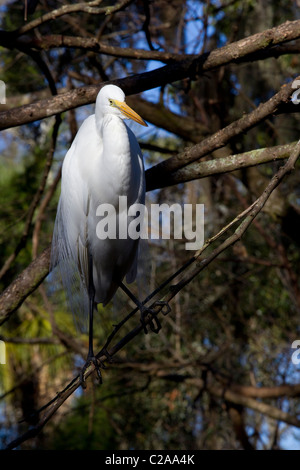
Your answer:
<point x="116" y="156"/>
<point x="116" y="145"/>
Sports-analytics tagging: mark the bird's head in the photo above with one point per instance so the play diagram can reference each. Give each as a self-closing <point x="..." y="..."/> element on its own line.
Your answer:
<point x="111" y="100"/>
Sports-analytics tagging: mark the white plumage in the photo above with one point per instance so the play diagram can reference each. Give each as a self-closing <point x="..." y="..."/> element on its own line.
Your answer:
<point x="103" y="163"/>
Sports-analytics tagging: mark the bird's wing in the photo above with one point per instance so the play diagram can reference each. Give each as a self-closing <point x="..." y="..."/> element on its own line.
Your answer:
<point x="140" y="198"/>
<point x="64" y="264"/>
<point x="69" y="244"/>
<point x="115" y="259"/>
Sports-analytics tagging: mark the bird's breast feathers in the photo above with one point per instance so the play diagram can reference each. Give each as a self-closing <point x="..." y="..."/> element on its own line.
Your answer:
<point x="108" y="165"/>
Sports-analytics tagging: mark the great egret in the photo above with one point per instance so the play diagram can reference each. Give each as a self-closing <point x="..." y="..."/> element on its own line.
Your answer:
<point x="103" y="163"/>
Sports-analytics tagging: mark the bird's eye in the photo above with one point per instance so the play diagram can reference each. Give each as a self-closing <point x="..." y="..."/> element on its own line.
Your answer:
<point x="110" y="102"/>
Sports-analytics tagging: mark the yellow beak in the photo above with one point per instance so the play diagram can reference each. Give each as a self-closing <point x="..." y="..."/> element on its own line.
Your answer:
<point x="128" y="112"/>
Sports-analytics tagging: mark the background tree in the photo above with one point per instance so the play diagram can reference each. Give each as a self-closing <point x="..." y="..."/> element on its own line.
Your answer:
<point x="214" y="81"/>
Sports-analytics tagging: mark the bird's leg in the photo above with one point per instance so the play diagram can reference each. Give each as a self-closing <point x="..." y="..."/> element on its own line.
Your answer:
<point x="154" y="323"/>
<point x="91" y="358"/>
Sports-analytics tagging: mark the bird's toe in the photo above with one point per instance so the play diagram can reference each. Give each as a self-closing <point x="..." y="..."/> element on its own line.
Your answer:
<point x="98" y="365"/>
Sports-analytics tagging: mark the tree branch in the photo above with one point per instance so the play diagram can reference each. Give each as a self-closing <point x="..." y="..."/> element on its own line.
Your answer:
<point x="229" y="163"/>
<point x="53" y="41"/>
<point x="26" y="283"/>
<point x="263" y="408"/>
<point x="242" y="50"/>
<point x="160" y="175"/>
<point x="90" y="7"/>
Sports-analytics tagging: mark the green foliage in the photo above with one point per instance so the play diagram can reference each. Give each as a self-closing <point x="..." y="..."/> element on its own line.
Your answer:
<point x="83" y="430"/>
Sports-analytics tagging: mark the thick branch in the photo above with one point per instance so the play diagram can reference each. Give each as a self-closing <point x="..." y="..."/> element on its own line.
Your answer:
<point x="235" y="52"/>
<point x="236" y="414"/>
<point x="90" y="7"/>
<point x="87" y="95"/>
<point x="227" y="164"/>
<point x="286" y="390"/>
<point x="54" y="41"/>
<point x="155" y="113"/>
<point x="255" y="405"/>
<point x="160" y="175"/>
<point x="24" y="285"/>
<point x="183" y="126"/>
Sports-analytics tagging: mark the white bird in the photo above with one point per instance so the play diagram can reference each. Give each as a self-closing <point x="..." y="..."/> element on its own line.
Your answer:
<point x="103" y="163"/>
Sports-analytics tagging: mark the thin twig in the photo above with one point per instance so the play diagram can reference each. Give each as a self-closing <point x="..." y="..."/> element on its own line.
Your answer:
<point x="161" y="174"/>
<point x="90" y="7"/>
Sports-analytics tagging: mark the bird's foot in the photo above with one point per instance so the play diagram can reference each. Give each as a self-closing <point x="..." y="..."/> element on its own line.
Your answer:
<point x="165" y="306"/>
<point x="105" y="353"/>
<point x="154" y="322"/>
<point x="98" y="366"/>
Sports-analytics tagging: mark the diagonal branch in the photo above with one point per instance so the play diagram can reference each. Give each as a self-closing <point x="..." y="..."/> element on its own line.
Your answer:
<point x="53" y="41"/>
<point x="243" y="50"/>
<point x="233" y="393"/>
<point x="89" y="7"/>
<point x="218" y="166"/>
<point x="26" y="283"/>
<point x="271" y="411"/>
<point x="160" y="175"/>
<point x="87" y="95"/>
